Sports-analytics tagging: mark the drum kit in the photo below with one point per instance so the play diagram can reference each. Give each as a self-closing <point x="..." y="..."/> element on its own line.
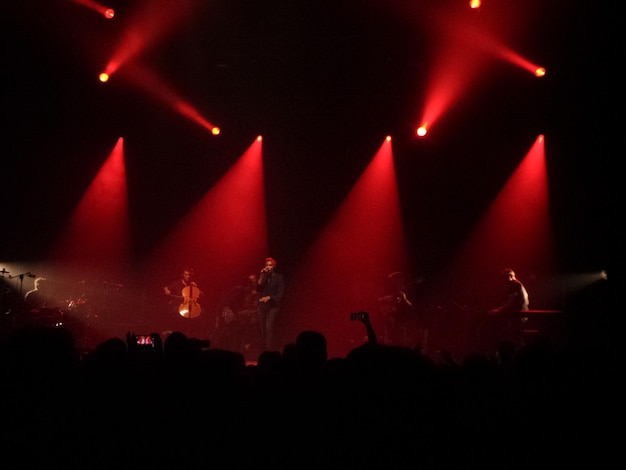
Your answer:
<point x="57" y="302"/>
<point x="71" y="311"/>
<point x="236" y="329"/>
<point x="47" y="316"/>
<point x="80" y="307"/>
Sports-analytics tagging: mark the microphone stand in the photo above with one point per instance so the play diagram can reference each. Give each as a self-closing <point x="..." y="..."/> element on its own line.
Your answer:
<point x="2" y="292"/>
<point x="21" y="297"/>
<point x="21" y="276"/>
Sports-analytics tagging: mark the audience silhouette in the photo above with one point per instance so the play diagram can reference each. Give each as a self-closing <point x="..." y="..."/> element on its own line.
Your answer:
<point x="181" y="403"/>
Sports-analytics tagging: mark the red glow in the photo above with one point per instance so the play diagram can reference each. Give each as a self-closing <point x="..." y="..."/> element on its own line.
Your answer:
<point x="223" y="236"/>
<point x="97" y="236"/>
<point x="516" y="59"/>
<point x="187" y="110"/>
<point x="153" y="21"/>
<point x="151" y="83"/>
<point x="108" y="13"/>
<point x="343" y="270"/>
<point x="457" y="68"/>
<point x="464" y="53"/>
<point x="514" y="232"/>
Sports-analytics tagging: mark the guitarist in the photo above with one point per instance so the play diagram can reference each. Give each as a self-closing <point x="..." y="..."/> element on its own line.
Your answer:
<point x="175" y="290"/>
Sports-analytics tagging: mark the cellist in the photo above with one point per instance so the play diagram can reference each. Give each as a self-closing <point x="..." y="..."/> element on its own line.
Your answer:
<point x="184" y="294"/>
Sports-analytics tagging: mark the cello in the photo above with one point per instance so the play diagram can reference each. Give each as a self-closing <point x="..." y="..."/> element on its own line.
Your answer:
<point x="190" y="308"/>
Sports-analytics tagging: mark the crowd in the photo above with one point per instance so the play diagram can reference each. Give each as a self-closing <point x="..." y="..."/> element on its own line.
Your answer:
<point x="177" y="402"/>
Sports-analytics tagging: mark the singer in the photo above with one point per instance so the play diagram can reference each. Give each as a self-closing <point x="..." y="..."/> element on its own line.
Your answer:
<point x="271" y="286"/>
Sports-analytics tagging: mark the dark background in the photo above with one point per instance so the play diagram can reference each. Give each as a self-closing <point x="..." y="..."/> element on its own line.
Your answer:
<point x="324" y="82"/>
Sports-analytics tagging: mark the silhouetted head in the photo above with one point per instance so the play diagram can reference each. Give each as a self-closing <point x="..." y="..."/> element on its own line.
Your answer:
<point x="40" y="283"/>
<point x="508" y="274"/>
<point x="177" y="344"/>
<point x="311" y="349"/>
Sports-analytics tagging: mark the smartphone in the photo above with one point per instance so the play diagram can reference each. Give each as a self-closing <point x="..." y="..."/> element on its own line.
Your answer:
<point x="145" y="340"/>
<point x="357" y="316"/>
